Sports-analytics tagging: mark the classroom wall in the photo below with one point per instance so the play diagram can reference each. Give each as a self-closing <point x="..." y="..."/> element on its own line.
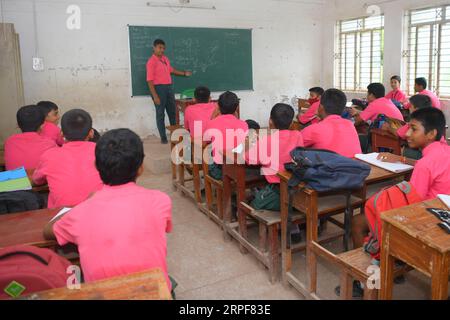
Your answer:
<point x="394" y="11"/>
<point x="89" y="68"/>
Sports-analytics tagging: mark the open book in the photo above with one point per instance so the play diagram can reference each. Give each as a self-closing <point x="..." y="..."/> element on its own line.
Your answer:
<point x="14" y="180"/>
<point x="392" y="167"/>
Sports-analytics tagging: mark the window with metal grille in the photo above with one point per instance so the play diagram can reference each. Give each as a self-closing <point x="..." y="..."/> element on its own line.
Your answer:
<point x="359" y="57"/>
<point x="428" y="53"/>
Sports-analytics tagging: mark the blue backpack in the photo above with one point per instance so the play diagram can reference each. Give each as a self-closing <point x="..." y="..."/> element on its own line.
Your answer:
<point x="324" y="170"/>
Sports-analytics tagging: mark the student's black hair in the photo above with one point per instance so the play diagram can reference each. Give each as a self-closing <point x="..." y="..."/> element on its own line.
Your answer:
<point x="431" y="119"/>
<point x="377" y="89"/>
<point x="421" y="101"/>
<point x="333" y="101"/>
<point x="76" y="124"/>
<point x="252" y="124"/>
<point x="202" y="94"/>
<point x="317" y="90"/>
<point x="118" y="156"/>
<point x="282" y="116"/>
<point x="158" y="42"/>
<point x="30" y="118"/>
<point x="47" y="106"/>
<point x="228" y="102"/>
<point x="96" y="136"/>
<point x="421" y="82"/>
<point x="396" y="78"/>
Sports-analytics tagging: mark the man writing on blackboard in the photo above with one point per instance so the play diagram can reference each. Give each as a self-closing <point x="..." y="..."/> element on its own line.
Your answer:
<point x="159" y="80"/>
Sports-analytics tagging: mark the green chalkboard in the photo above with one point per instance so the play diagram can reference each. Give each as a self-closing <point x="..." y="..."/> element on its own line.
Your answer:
<point x="219" y="58"/>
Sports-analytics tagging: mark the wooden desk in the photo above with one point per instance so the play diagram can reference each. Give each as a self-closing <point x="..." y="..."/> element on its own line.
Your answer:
<point x="412" y="235"/>
<point x="385" y="139"/>
<point x="26" y="228"/>
<point x="237" y="173"/>
<point x="306" y="201"/>
<point x="147" y="285"/>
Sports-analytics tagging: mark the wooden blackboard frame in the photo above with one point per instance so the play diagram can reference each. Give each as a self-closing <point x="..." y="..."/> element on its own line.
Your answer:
<point x="251" y="89"/>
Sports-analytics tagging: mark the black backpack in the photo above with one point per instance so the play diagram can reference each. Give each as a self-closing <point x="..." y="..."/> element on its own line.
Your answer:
<point x="20" y="201"/>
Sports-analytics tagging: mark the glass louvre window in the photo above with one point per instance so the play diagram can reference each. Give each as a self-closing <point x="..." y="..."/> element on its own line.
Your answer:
<point x="428" y="53"/>
<point x="359" y="57"/>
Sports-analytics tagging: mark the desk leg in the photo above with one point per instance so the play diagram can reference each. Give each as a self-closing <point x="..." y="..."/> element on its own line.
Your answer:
<point x="312" y="218"/>
<point x="439" y="277"/>
<point x="240" y="197"/>
<point x="174" y="166"/>
<point x="196" y="177"/>
<point x="386" y="266"/>
<point x="286" y="257"/>
<point x="226" y="207"/>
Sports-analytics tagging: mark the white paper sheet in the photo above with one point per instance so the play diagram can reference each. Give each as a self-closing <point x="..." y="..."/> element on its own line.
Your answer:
<point x="392" y="167"/>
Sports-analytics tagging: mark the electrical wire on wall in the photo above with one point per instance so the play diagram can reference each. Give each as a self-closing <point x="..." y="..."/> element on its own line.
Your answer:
<point x="36" y="43"/>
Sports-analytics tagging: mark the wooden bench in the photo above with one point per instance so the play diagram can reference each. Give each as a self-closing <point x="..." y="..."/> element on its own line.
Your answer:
<point x="354" y="265"/>
<point x="384" y="139"/>
<point x="213" y="206"/>
<point x="307" y="201"/>
<point x="194" y="169"/>
<point x="146" y="285"/>
<point x="173" y="143"/>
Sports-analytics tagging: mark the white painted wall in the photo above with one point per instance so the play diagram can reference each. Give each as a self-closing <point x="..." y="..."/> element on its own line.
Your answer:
<point x="394" y="11"/>
<point x="89" y="68"/>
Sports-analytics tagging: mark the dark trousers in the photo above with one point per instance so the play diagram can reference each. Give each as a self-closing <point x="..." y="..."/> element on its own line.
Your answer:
<point x="167" y="97"/>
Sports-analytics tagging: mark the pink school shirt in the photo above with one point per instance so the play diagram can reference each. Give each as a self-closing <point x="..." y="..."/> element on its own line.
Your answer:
<point x="159" y="70"/>
<point x="310" y="115"/>
<point x="120" y="230"/>
<point x="278" y="146"/>
<point x="237" y="131"/>
<point x="381" y="106"/>
<point x="431" y="175"/>
<point x="398" y="95"/>
<point x="334" y="133"/>
<point x="200" y="113"/>
<point x="70" y="173"/>
<point x="435" y="102"/>
<point x="25" y="150"/>
<point x="53" y="132"/>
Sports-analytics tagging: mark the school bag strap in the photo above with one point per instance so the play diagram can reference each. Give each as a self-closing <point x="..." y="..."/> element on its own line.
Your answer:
<point x="24" y="253"/>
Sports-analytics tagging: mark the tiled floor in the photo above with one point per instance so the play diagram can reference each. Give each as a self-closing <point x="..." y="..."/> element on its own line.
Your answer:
<point x="207" y="267"/>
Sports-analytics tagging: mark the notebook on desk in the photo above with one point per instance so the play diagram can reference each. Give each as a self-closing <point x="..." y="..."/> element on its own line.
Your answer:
<point x="445" y="199"/>
<point x="14" y="180"/>
<point x="371" y="158"/>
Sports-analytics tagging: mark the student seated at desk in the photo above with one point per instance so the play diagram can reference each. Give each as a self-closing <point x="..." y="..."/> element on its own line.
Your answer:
<point x="333" y="132"/>
<point x="226" y="131"/>
<point x="311" y="116"/>
<point x="198" y="115"/>
<point x="50" y="128"/>
<point x="431" y="175"/>
<point x="122" y="228"/>
<point x="70" y="170"/>
<point x="420" y="87"/>
<point x="25" y="149"/>
<point x="378" y="104"/>
<point x="416" y="102"/>
<point x="272" y="151"/>
<point x="397" y="94"/>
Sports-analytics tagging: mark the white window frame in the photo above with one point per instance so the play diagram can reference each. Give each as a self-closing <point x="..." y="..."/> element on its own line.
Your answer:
<point x="434" y="74"/>
<point x="340" y="67"/>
